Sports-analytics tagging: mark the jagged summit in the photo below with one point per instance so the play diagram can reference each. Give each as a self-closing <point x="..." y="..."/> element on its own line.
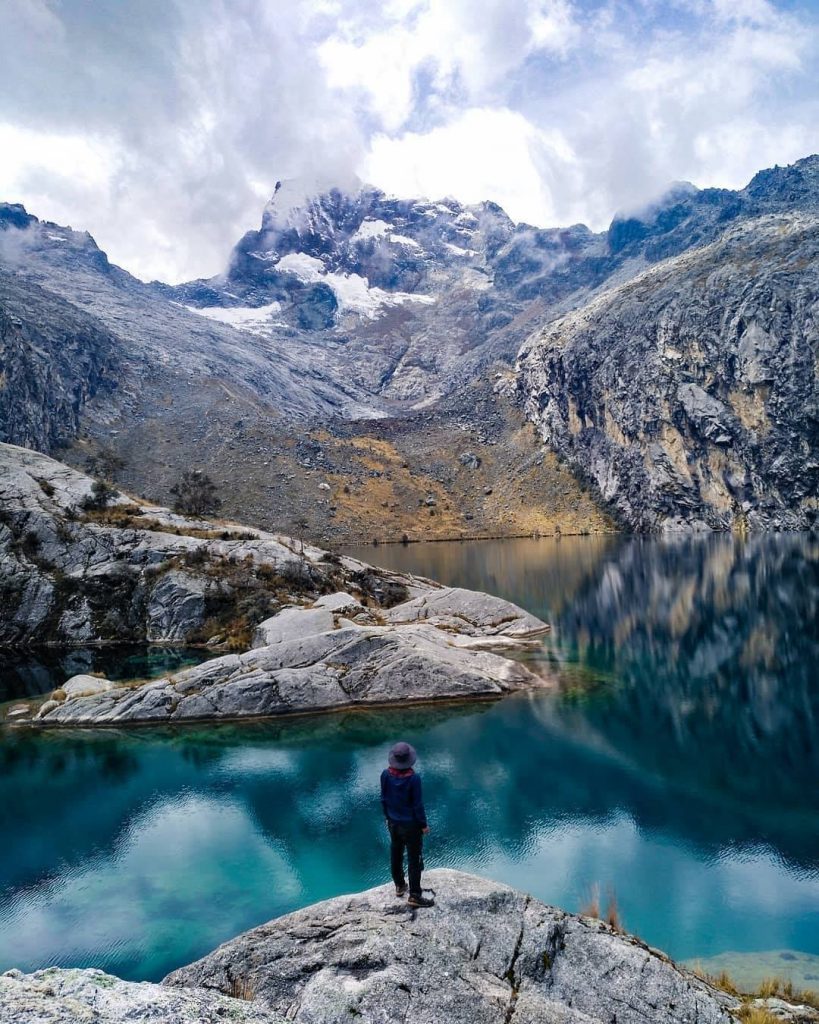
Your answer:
<point x="15" y="215"/>
<point x="796" y="182"/>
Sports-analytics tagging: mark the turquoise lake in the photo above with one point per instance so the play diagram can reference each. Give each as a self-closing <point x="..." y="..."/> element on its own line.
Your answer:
<point x="676" y="766"/>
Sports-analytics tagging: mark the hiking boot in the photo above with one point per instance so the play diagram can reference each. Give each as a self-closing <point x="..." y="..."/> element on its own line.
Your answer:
<point x="400" y="890"/>
<point x="420" y="901"/>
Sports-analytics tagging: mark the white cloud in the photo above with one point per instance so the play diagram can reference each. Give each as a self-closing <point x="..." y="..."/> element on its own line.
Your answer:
<point x="480" y="154"/>
<point x="463" y="48"/>
<point x="162" y="127"/>
<point x="712" y="103"/>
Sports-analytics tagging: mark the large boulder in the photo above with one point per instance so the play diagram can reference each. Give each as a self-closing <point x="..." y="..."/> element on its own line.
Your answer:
<point x="469" y="612"/>
<point x="485" y="954"/>
<point x="86" y="686"/>
<point x="293" y="624"/>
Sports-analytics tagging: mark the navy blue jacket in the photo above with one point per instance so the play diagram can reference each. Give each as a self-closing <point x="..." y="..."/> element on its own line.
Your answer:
<point x="401" y="798"/>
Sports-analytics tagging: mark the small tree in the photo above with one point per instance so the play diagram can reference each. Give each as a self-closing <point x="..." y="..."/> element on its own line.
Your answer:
<point x="101" y="496"/>
<point x="195" y="494"/>
<point x="300" y="526"/>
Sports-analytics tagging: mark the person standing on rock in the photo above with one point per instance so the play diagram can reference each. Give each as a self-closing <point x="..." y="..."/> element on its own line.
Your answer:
<point x="406" y="820"/>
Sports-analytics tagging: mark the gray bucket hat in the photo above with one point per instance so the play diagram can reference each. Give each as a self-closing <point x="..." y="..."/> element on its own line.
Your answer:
<point x="402" y="755"/>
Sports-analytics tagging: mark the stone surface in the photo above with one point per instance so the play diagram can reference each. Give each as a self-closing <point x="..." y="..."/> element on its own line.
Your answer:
<point x="312" y="664"/>
<point x="176" y="607"/>
<point x="86" y="686"/>
<point x="485" y="954"/>
<point x="340" y="602"/>
<point x="55" y="996"/>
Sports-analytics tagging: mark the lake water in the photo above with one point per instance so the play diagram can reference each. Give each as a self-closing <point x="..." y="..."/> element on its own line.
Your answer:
<point x="29" y="673"/>
<point x="677" y="767"/>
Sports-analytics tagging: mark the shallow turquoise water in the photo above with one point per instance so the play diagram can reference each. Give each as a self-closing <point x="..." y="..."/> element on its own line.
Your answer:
<point x="29" y="673"/>
<point x="677" y="766"/>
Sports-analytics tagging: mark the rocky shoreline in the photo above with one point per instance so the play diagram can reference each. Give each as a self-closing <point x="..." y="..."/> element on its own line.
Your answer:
<point x="485" y="954"/>
<point x="342" y="633"/>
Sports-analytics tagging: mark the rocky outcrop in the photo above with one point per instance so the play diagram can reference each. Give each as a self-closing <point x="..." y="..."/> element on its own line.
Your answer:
<point x="56" y="996"/>
<point x="74" y="574"/>
<point x="333" y="655"/>
<point x="689" y="397"/>
<point x="484" y="954"/>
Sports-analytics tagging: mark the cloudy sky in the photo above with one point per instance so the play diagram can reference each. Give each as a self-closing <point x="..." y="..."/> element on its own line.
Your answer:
<point x="162" y="126"/>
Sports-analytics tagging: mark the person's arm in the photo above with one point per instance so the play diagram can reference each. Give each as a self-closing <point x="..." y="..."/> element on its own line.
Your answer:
<point x="384" y="796"/>
<point x="418" y="811"/>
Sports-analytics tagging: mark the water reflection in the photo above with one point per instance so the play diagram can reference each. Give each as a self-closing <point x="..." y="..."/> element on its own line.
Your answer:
<point x="679" y="767"/>
<point x="709" y="647"/>
<point x="29" y="673"/>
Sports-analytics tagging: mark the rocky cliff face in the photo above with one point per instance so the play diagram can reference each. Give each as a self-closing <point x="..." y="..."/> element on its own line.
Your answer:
<point x="689" y="396"/>
<point x="53" y="361"/>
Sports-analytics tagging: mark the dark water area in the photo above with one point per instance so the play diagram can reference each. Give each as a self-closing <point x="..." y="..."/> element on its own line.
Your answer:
<point x="676" y="766"/>
<point x="30" y="673"/>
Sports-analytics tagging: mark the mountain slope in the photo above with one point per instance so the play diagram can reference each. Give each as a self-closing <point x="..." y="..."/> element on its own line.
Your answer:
<point x="54" y="359"/>
<point x="690" y="396"/>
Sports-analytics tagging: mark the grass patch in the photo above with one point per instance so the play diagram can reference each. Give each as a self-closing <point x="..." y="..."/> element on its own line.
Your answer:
<point x="132" y="517"/>
<point x="782" y="988"/>
<point x="756" y="1015"/>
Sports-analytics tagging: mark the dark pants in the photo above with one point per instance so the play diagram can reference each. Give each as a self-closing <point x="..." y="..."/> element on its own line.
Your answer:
<point x="406" y="836"/>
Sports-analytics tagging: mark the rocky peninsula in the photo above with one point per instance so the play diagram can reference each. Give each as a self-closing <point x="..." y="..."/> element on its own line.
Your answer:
<point x="485" y="954"/>
<point x="342" y="632"/>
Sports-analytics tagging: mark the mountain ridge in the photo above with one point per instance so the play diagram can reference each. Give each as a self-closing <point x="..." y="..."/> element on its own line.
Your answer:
<point x="368" y="317"/>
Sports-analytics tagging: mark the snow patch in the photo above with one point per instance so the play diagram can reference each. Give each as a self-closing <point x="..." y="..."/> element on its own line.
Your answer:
<point x="306" y="268"/>
<point x="404" y="240"/>
<point x="456" y="250"/>
<point x="353" y="292"/>
<point x="371" y="229"/>
<point x="246" y="318"/>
